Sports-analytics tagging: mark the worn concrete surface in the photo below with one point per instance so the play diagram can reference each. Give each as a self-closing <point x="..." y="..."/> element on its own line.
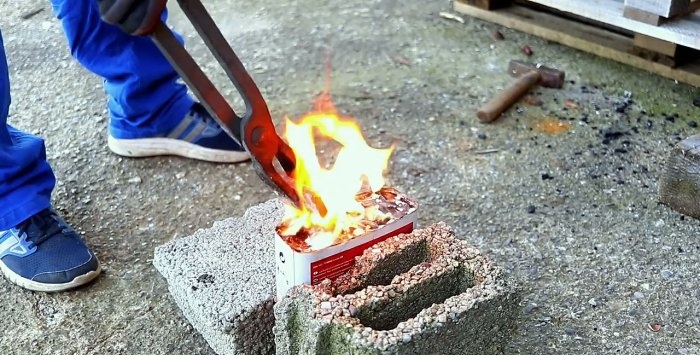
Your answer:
<point x="600" y="259"/>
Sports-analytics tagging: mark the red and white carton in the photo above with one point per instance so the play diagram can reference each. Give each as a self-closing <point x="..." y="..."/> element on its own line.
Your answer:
<point x="310" y="268"/>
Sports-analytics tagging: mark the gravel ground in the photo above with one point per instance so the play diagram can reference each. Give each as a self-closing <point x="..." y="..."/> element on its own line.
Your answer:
<point x="573" y="216"/>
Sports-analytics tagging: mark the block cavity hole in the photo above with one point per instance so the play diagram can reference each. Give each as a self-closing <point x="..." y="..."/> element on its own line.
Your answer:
<point x="394" y="264"/>
<point x="387" y="314"/>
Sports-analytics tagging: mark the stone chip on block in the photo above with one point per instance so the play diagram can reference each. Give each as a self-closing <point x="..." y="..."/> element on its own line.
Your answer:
<point x="679" y="188"/>
<point x="422" y="293"/>
<point x="223" y="280"/>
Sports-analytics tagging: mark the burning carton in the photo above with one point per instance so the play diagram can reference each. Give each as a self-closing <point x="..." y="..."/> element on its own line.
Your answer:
<point x="298" y="263"/>
<point x="344" y="205"/>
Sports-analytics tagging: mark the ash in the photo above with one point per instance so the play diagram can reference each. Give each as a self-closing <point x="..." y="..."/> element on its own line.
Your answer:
<point x="381" y="208"/>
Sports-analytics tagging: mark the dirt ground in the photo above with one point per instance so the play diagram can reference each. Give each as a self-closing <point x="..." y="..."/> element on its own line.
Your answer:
<point x="573" y="216"/>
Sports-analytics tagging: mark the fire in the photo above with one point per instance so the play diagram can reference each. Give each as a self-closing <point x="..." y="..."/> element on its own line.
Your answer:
<point x="357" y="168"/>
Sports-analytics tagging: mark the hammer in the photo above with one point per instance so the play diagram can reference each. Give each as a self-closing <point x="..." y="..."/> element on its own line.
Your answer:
<point x="528" y="75"/>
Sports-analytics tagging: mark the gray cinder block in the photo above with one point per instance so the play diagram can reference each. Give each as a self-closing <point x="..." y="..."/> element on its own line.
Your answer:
<point x="679" y="188"/>
<point x="423" y="293"/>
<point x="223" y="280"/>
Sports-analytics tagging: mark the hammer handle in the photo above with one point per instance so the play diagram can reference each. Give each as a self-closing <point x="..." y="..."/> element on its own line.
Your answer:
<point x="505" y="99"/>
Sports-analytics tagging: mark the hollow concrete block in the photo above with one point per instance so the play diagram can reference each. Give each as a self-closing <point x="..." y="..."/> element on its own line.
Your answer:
<point x="679" y="187"/>
<point x="422" y="293"/>
<point x="223" y="280"/>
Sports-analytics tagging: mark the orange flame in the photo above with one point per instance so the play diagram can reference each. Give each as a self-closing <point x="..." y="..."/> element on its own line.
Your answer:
<point x="357" y="167"/>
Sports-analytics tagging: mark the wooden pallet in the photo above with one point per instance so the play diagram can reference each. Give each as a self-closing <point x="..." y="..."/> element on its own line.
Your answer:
<point x="656" y="12"/>
<point x="599" y="26"/>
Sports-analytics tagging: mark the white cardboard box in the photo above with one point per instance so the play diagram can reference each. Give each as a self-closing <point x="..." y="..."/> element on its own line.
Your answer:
<point x="296" y="268"/>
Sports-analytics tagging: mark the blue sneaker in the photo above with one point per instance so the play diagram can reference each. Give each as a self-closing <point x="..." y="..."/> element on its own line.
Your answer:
<point x="197" y="136"/>
<point x="44" y="254"/>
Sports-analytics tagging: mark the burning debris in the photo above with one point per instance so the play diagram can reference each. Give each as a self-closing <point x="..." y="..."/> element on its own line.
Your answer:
<point x="381" y="208"/>
<point x="344" y="198"/>
<point x="300" y="261"/>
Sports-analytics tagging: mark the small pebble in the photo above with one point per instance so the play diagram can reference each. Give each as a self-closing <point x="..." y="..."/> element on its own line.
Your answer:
<point x="481" y="136"/>
<point x="592" y="302"/>
<point x="638" y="295"/>
<point x="692" y="124"/>
<point x="696" y="101"/>
<point x="547" y="177"/>
<point x="569" y="330"/>
<point x="531" y="209"/>
<point x="530" y="308"/>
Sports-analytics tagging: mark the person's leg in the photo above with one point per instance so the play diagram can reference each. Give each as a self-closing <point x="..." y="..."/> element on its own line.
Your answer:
<point x="151" y="112"/>
<point x="38" y="250"/>
<point x="26" y="179"/>
<point x="141" y="85"/>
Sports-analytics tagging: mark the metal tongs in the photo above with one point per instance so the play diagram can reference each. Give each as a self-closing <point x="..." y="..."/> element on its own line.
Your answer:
<point x="272" y="158"/>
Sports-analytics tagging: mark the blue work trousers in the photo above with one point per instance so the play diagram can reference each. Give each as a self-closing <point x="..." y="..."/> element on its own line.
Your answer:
<point x="145" y="100"/>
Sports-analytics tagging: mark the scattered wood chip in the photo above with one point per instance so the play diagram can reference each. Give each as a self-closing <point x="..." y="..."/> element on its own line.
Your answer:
<point x="527" y="50"/>
<point x="401" y="60"/>
<point x="533" y="101"/>
<point x="451" y="16"/>
<point x="571" y="104"/>
<point x="497" y="35"/>
<point x="30" y="14"/>
<point x="655" y="327"/>
<point x="487" y="151"/>
<point x="552" y="126"/>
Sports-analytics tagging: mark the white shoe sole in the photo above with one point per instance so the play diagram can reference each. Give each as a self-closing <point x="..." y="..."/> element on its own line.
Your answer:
<point x="149" y="147"/>
<point x="43" y="287"/>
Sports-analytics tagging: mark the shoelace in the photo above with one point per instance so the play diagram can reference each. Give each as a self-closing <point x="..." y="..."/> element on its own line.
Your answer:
<point x="40" y="227"/>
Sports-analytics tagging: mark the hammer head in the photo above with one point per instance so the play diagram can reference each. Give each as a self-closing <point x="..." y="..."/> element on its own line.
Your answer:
<point x="551" y="78"/>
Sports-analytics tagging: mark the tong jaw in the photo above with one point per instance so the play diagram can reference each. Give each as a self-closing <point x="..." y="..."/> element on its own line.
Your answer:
<point x="273" y="160"/>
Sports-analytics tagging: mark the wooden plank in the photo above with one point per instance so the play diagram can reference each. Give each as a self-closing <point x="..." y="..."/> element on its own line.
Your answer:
<point x="488" y="4"/>
<point x="642" y="16"/>
<point x="580" y="36"/>
<point x="664" y="47"/>
<point x="684" y="31"/>
<point x="655" y="20"/>
<point x="663" y="8"/>
<point x="679" y="187"/>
